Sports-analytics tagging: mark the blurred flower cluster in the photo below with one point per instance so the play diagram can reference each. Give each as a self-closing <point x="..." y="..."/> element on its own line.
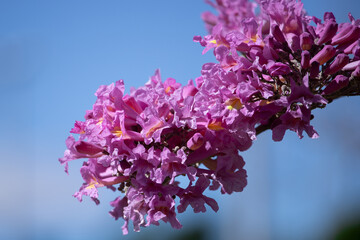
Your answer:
<point x="273" y="69"/>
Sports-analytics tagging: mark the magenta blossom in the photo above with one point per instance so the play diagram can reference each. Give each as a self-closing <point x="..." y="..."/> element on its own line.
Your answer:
<point x="273" y="68"/>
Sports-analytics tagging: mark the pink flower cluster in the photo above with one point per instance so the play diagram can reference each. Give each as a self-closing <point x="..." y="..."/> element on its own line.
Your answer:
<point x="273" y="69"/>
<point x="282" y="65"/>
<point x="139" y="143"/>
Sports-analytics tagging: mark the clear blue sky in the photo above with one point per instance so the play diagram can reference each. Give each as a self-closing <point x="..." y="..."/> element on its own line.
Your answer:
<point x="53" y="57"/>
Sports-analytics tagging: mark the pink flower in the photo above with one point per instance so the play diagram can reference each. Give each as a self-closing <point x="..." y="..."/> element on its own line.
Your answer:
<point x="273" y="68"/>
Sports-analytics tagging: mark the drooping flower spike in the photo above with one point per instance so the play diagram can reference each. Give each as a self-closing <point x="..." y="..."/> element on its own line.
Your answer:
<point x="273" y="69"/>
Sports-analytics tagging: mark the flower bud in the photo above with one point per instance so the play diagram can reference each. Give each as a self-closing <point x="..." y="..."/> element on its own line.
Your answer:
<point x="311" y="31"/>
<point x="336" y="84"/>
<point x="306" y="41"/>
<point x="328" y="32"/>
<point x="349" y="33"/>
<point x="340" y="61"/>
<point x="305" y="59"/>
<point x="209" y="18"/>
<point x="277" y="33"/>
<point x="343" y="29"/>
<point x="314" y="70"/>
<point x="351" y="66"/>
<point x="324" y="55"/>
<point x="349" y="49"/>
<point x="87" y="148"/>
<point x="294" y="41"/>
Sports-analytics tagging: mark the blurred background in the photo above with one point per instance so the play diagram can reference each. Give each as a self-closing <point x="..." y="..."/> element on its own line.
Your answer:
<point x="53" y="57"/>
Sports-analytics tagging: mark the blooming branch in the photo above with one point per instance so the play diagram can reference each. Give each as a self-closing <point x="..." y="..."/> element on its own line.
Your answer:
<point x="273" y="69"/>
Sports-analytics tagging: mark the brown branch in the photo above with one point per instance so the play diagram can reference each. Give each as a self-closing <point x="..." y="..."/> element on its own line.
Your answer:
<point x="263" y="127"/>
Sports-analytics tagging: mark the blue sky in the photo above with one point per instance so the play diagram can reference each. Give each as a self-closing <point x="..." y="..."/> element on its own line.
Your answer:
<point x="53" y="57"/>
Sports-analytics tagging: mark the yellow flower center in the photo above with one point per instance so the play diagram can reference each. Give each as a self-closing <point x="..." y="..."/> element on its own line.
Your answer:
<point x="234" y="103"/>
